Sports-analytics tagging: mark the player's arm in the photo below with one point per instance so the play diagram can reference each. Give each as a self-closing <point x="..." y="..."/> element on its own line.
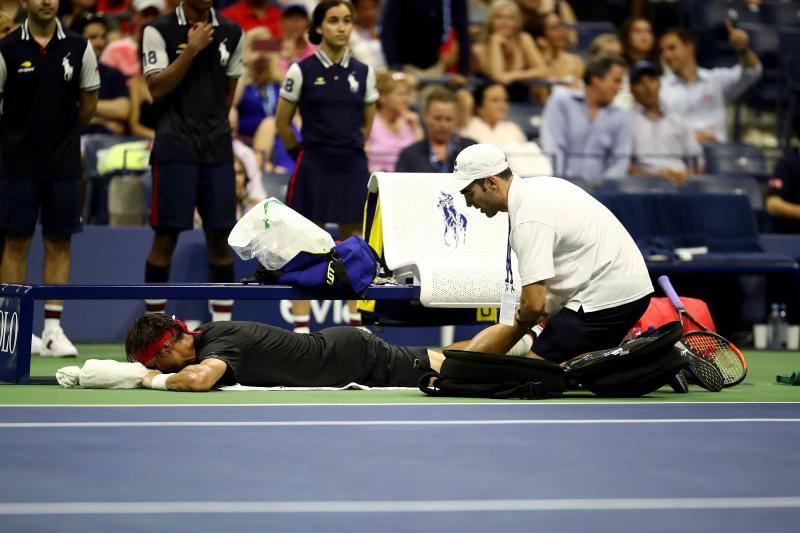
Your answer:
<point x="235" y="67"/>
<point x="193" y="378"/>
<point x="778" y="207"/>
<point x="89" y="85"/>
<point x="163" y="79"/>
<point x="370" y="99"/>
<point x="87" y="104"/>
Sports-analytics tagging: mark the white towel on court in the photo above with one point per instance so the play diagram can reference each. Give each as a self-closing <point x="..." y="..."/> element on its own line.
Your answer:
<point x="349" y="386"/>
<point x="102" y="374"/>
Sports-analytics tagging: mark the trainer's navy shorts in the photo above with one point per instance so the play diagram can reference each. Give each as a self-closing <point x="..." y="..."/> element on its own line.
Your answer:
<point x="58" y="200"/>
<point x="180" y="187"/>
<point x="570" y="333"/>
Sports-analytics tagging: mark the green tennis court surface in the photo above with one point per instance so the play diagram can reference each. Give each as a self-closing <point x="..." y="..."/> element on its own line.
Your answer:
<point x="759" y="386"/>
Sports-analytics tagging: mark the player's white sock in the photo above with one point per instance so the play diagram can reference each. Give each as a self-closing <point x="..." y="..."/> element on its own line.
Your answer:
<point x="52" y="316"/>
<point x="221" y="310"/>
<point x="155" y="306"/>
<point x="301" y="323"/>
<point x="523" y="346"/>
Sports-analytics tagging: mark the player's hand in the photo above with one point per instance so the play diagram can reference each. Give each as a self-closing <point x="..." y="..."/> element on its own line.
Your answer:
<point x="738" y="38"/>
<point x="148" y="378"/>
<point x="200" y="36"/>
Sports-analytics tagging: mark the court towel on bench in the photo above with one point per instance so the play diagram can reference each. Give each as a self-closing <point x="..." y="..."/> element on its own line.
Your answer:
<point x="102" y="374"/>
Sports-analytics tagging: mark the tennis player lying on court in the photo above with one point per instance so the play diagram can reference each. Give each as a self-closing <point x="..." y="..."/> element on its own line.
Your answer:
<point x="254" y="354"/>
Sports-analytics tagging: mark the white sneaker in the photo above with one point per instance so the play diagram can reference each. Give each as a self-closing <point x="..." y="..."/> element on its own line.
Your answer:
<point x="36" y="345"/>
<point x="56" y="344"/>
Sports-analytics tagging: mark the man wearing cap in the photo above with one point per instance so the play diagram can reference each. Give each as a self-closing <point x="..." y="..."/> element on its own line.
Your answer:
<point x="663" y="145"/>
<point x="260" y="355"/>
<point x="124" y="54"/>
<point x="579" y="267"/>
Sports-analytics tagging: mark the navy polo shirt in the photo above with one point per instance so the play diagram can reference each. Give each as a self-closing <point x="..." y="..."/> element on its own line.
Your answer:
<point x="41" y="92"/>
<point x="331" y="99"/>
<point x="192" y="120"/>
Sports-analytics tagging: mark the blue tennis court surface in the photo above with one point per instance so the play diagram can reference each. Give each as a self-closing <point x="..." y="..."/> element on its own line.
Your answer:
<point x="460" y="467"/>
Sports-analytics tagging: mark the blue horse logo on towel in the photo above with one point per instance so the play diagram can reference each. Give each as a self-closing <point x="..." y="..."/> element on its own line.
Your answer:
<point x="455" y="224"/>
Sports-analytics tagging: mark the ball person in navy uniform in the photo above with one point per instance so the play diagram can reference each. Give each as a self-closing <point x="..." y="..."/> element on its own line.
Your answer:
<point x="336" y="96"/>
<point x="49" y="83"/>
<point x="192" y="60"/>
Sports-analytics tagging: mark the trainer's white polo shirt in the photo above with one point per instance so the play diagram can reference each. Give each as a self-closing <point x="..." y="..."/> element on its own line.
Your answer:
<point x="565" y="237"/>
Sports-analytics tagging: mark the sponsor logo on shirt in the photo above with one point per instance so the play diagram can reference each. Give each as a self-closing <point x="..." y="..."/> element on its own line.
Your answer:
<point x="319" y="80"/>
<point x="181" y="48"/>
<point x="25" y="66"/>
<point x="68" y="70"/>
<point x="351" y="79"/>
<point x="224" y="54"/>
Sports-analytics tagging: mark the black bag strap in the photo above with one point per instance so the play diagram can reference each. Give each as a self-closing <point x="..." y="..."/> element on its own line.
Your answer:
<point x="433" y="384"/>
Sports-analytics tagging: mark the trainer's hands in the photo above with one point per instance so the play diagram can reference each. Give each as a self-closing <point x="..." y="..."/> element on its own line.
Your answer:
<point x="200" y="36"/>
<point x="147" y="380"/>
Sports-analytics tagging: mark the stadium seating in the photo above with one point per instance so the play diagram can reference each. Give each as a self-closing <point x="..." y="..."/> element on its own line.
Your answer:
<point x="735" y="158"/>
<point x="789" y="43"/>
<point x="522" y="114"/>
<point x="780" y="13"/>
<point x="275" y="184"/>
<point x="638" y="185"/>
<point x="740" y="185"/>
<point x="583" y="184"/>
<point x="587" y="31"/>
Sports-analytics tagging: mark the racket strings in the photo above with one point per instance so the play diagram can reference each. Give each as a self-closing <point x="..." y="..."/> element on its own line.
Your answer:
<point x="718" y="350"/>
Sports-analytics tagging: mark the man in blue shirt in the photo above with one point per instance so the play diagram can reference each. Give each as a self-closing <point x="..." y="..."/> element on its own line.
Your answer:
<point x="587" y="136"/>
<point x="699" y="95"/>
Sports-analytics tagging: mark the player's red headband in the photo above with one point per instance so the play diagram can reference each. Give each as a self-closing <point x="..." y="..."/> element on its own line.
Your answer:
<point x="149" y="350"/>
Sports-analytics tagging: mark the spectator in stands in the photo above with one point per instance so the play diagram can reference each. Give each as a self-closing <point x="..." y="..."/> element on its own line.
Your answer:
<point x="395" y="126"/>
<point x="783" y="196"/>
<point x="252" y="13"/>
<point x="438" y="150"/>
<point x="699" y="95"/>
<point x="608" y="44"/>
<point x="535" y="11"/>
<point x="489" y="125"/>
<point x="294" y="43"/>
<point x="563" y="67"/>
<point x="638" y="41"/>
<point x="125" y="54"/>
<point x="365" y="42"/>
<point x="509" y="55"/>
<point x="113" y="105"/>
<point x="6" y="24"/>
<point x="413" y="31"/>
<point x="142" y="118"/>
<point x="256" y="101"/>
<point x="249" y="189"/>
<point x="192" y="156"/>
<point x="336" y="96"/>
<point x="71" y="11"/>
<point x="15" y="11"/>
<point x="45" y="102"/>
<point x="586" y="135"/>
<point x="662" y="145"/>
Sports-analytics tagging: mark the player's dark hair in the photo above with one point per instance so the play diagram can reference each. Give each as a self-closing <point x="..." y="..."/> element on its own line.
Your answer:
<point x="319" y="15"/>
<point x="148" y="328"/>
<point x="599" y="67"/>
<point x="504" y="175"/>
<point x="684" y="34"/>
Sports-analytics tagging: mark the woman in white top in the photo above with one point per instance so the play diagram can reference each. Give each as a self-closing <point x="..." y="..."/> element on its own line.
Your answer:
<point x="489" y="125"/>
<point x="508" y="55"/>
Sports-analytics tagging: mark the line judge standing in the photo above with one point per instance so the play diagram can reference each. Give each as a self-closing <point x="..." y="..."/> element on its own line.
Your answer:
<point x="579" y="267"/>
<point x="49" y="84"/>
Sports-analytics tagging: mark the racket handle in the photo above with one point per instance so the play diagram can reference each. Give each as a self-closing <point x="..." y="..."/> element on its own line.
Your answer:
<point x="670" y="292"/>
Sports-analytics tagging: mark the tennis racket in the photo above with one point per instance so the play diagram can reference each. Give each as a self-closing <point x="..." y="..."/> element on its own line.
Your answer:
<point x="708" y="344"/>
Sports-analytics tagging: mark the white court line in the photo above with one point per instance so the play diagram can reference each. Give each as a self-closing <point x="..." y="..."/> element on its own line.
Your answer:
<point x="403" y="404"/>
<point x="425" y="506"/>
<point x="339" y="423"/>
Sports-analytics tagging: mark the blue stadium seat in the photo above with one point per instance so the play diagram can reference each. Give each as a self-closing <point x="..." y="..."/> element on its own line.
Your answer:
<point x="275" y="184"/>
<point x="587" y="31"/>
<point x="789" y="41"/>
<point x="741" y="185"/>
<point x="735" y="158"/>
<point x="707" y="20"/>
<point x="638" y="185"/>
<point x="583" y="184"/>
<point x="521" y="115"/>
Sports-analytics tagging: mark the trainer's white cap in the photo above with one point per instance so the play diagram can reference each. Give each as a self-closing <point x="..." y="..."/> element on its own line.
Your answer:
<point x="141" y="5"/>
<point x="477" y="162"/>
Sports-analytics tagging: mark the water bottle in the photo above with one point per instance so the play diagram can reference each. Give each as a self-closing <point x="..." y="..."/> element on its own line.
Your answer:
<point x="783" y="328"/>
<point x="773" y="327"/>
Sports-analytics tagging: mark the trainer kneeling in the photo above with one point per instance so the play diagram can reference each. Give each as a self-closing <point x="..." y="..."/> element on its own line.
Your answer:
<point x="579" y="267"/>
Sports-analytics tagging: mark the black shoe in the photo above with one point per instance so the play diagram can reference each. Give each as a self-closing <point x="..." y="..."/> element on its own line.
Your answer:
<point x="679" y="383"/>
<point x="700" y="370"/>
